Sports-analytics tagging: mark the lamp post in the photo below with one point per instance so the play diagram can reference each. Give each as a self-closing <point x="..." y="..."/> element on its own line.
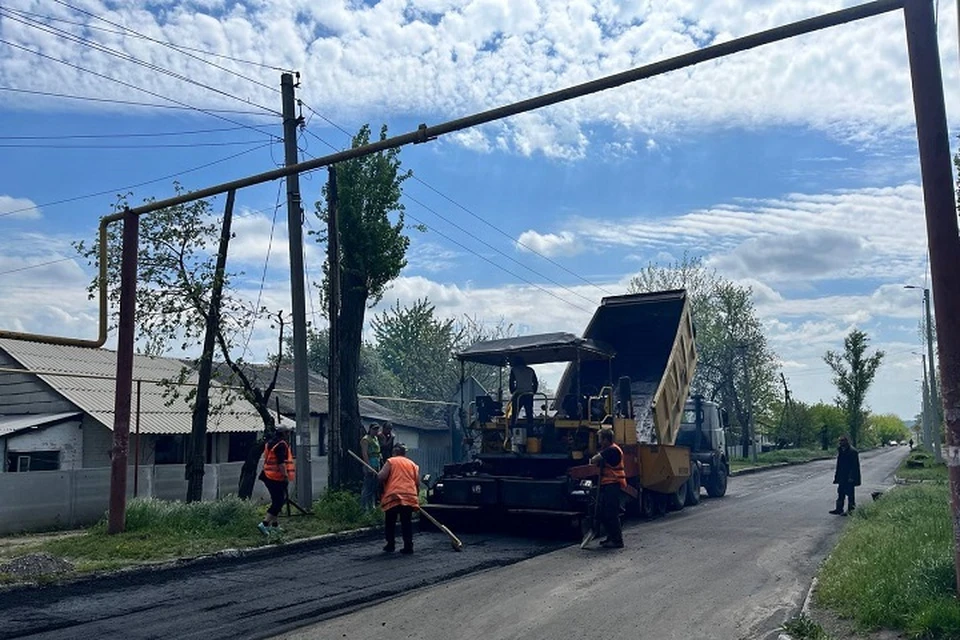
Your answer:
<point x="935" y="420"/>
<point x="925" y="419"/>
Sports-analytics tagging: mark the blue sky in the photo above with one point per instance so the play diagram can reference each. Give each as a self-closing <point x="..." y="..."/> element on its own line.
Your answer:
<point x="791" y="169"/>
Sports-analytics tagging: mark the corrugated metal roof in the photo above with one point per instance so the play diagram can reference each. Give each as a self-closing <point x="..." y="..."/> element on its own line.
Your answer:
<point x="160" y="413"/>
<point x="12" y="424"/>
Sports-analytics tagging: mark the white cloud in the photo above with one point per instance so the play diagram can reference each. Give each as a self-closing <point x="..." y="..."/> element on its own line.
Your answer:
<point x="22" y="208"/>
<point x="549" y="244"/>
<point x="447" y="59"/>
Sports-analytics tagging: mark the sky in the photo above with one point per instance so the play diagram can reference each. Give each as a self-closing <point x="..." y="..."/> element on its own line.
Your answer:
<point x="791" y="168"/>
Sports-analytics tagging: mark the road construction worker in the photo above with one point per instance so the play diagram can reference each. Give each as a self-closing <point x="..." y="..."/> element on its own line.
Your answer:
<point x="370" y="452"/>
<point x="400" y="497"/>
<point x="279" y="469"/>
<point x="846" y="477"/>
<point x="613" y="481"/>
<point x="523" y="384"/>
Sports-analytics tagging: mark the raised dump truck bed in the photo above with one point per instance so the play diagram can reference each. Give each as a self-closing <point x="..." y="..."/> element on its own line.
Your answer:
<point x="630" y="371"/>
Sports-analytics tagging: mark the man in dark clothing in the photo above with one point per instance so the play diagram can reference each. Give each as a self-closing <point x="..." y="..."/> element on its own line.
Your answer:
<point x="612" y="482"/>
<point x="846" y="477"/>
<point x="523" y="384"/>
<point x="387" y="441"/>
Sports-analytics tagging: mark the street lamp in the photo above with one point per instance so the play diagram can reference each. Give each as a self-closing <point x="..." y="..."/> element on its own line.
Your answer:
<point x="925" y="420"/>
<point x="935" y="420"/>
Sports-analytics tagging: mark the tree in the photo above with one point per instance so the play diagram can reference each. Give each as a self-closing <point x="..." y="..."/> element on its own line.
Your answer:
<point x="735" y="365"/>
<point x="372" y="253"/>
<point x="887" y="427"/>
<point x="375" y="378"/>
<point x="829" y="421"/>
<point x="176" y="271"/>
<point x="853" y="373"/>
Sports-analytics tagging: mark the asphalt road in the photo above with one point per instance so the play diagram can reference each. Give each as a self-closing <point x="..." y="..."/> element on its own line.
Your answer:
<point x="728" y="568"/>
<point x="732" y="568"/>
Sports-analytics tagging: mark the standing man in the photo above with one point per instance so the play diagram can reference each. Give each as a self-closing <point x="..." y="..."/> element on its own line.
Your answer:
<point x="279" y="469"/>
<point x="523" y="384"/>
<point x="401" y="497"/>
<point x="370" y="452"/>
<point x="613" y="481"/>
<point x="846" y="477"/>
<point x="387" y="441"/>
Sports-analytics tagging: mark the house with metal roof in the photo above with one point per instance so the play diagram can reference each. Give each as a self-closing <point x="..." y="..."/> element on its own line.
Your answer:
<point x="57" y="410"/>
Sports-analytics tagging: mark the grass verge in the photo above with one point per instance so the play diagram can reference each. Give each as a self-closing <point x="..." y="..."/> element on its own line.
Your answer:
<point x="922" y="466"/>
<point x="782" y="455"/>
<point x="894" y="568"/>
<point x="160" y="530"/>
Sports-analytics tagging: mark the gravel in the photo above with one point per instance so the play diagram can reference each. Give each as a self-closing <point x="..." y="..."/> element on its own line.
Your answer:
<point x="35" y="565"/>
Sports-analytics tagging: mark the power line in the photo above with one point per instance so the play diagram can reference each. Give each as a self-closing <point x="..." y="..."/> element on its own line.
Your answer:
<point x="123" y="135"/>
<point x="129" y="85"/>
<point x="34" y="266"/>
<point x="126" y="31"/>
<point x="134" y="186"/>
<point x="468" y="211"/>
<point x="96" y="46"/>
<point x="132" y="103"/>
<point x="129" y="32"/>
<point x="263" y="277"/>
<point x="168" y="145"/>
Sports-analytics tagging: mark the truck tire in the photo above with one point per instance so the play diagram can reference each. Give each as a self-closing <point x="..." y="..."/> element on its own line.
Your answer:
<point x="677" y="499"/>
<point x="648" y="505"/>
<point x="693" y="486"/>
<point x="717" y="483"/>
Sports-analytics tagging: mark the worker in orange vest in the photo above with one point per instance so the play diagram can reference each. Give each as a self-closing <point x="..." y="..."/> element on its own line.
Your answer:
<point x="279" y="469"/>
<point x="400" y="497"/>
<point x="613" y="481"/>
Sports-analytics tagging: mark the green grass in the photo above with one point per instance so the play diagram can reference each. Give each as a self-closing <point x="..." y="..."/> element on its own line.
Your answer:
<point x="894" y="567"/>
<point x="159" y="530"/>
<point x="782" y="455"/>
<point x="803" y="628"/>
<point x="930" y="471"/>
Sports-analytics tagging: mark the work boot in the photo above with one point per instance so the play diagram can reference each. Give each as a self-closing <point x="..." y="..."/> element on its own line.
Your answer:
<point x="837" y="512"/>
<point x="389" y="547"/>
<point x="263" y="528"/>
<point x="406" y="551"/>
<point x="612" y="544"/>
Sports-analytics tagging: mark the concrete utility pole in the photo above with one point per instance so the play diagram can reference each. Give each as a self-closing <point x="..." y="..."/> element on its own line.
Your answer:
<point x="936" y="173"/>
<point x="936" y="420"/>
<point x="926" y="408"/>
<point x="301" y="385"/>
<point x="197" y="450"/>
<point x="335" y="454"/>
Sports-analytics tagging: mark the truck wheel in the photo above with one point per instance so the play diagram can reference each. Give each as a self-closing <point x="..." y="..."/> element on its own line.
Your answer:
<point x="717" y="486"/>
<point x="693" y="486"/>
<point x="648" y="505"/>
<point x="677" y="499"/>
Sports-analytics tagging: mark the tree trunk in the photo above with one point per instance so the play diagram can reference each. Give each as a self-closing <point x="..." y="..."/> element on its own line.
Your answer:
<point x="353" y="307"/>
<point x="248" y="472"/>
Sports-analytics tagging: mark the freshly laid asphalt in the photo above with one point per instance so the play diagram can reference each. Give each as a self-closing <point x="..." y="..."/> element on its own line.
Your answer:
<point x="729" y="568"/>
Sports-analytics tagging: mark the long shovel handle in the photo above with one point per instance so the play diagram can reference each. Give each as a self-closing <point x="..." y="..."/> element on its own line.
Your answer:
<point x="454" y="540"/>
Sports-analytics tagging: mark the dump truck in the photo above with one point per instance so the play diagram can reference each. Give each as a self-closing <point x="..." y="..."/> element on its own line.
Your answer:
<point x="631" y="372"/>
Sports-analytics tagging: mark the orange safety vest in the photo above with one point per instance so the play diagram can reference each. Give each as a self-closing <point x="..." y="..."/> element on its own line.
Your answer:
<point x="614" y="474"/>
<point x="400" y="489"/>
<point x="271" y="465"/>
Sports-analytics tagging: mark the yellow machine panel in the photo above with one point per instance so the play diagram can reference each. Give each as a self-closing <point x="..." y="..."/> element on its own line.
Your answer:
<point x="663" y="468"/>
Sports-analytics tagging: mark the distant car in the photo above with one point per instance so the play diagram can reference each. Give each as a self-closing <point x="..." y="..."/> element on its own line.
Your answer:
<point x="893" y="443"/>
<point x="903" y="443"/>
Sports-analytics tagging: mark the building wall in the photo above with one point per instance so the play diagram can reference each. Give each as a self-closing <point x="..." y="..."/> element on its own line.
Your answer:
<point x="97" y="443"/>
<point x="66" y="437"/>
<point x="26" y="394"/>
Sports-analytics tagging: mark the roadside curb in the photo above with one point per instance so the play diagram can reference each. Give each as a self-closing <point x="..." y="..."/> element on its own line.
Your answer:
<point x="224" y="556"/>
<point x="776" y="465"/>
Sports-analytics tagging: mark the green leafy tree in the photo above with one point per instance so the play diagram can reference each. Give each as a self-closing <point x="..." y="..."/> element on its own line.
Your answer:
<point x="375" y="379"/>
<point x="888" y="426"/>
<point x="176" y="260"/>
<point x="853" y="373"/>
<point x="829" y="421"/>
<point x="373" y="250"/>
<point x="735" y="364"/>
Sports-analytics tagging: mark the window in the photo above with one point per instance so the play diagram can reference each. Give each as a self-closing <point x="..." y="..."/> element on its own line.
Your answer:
<point x="168" y="450"/>
<point x="239" y="446"/>
<point x="20" y="461"/>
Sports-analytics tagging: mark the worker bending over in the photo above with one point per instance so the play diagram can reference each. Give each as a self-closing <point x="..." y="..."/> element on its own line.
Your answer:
<point x="613" y="481"/>
<point x="400" y="497"/>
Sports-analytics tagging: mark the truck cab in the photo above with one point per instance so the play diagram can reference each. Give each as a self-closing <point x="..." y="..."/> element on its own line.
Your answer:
<point x="702" y="430"/>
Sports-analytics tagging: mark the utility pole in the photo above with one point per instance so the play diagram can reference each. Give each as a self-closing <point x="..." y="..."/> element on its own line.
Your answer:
<point x="301" y="386"/>
<point x="750" y="430"/>
<point x="940" y="207"/>
<point x="936" y="423"/>
<point x="126" y="328"/>
<point x="196" y="453"/>
<point x="335" y="452"/>
<point x="926" y="407"/>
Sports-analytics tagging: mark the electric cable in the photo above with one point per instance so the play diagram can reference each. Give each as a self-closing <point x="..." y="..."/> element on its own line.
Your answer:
<point x="34" y="266"/>
<point x="123" y="135"/>
<point x="132" y="103"/>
